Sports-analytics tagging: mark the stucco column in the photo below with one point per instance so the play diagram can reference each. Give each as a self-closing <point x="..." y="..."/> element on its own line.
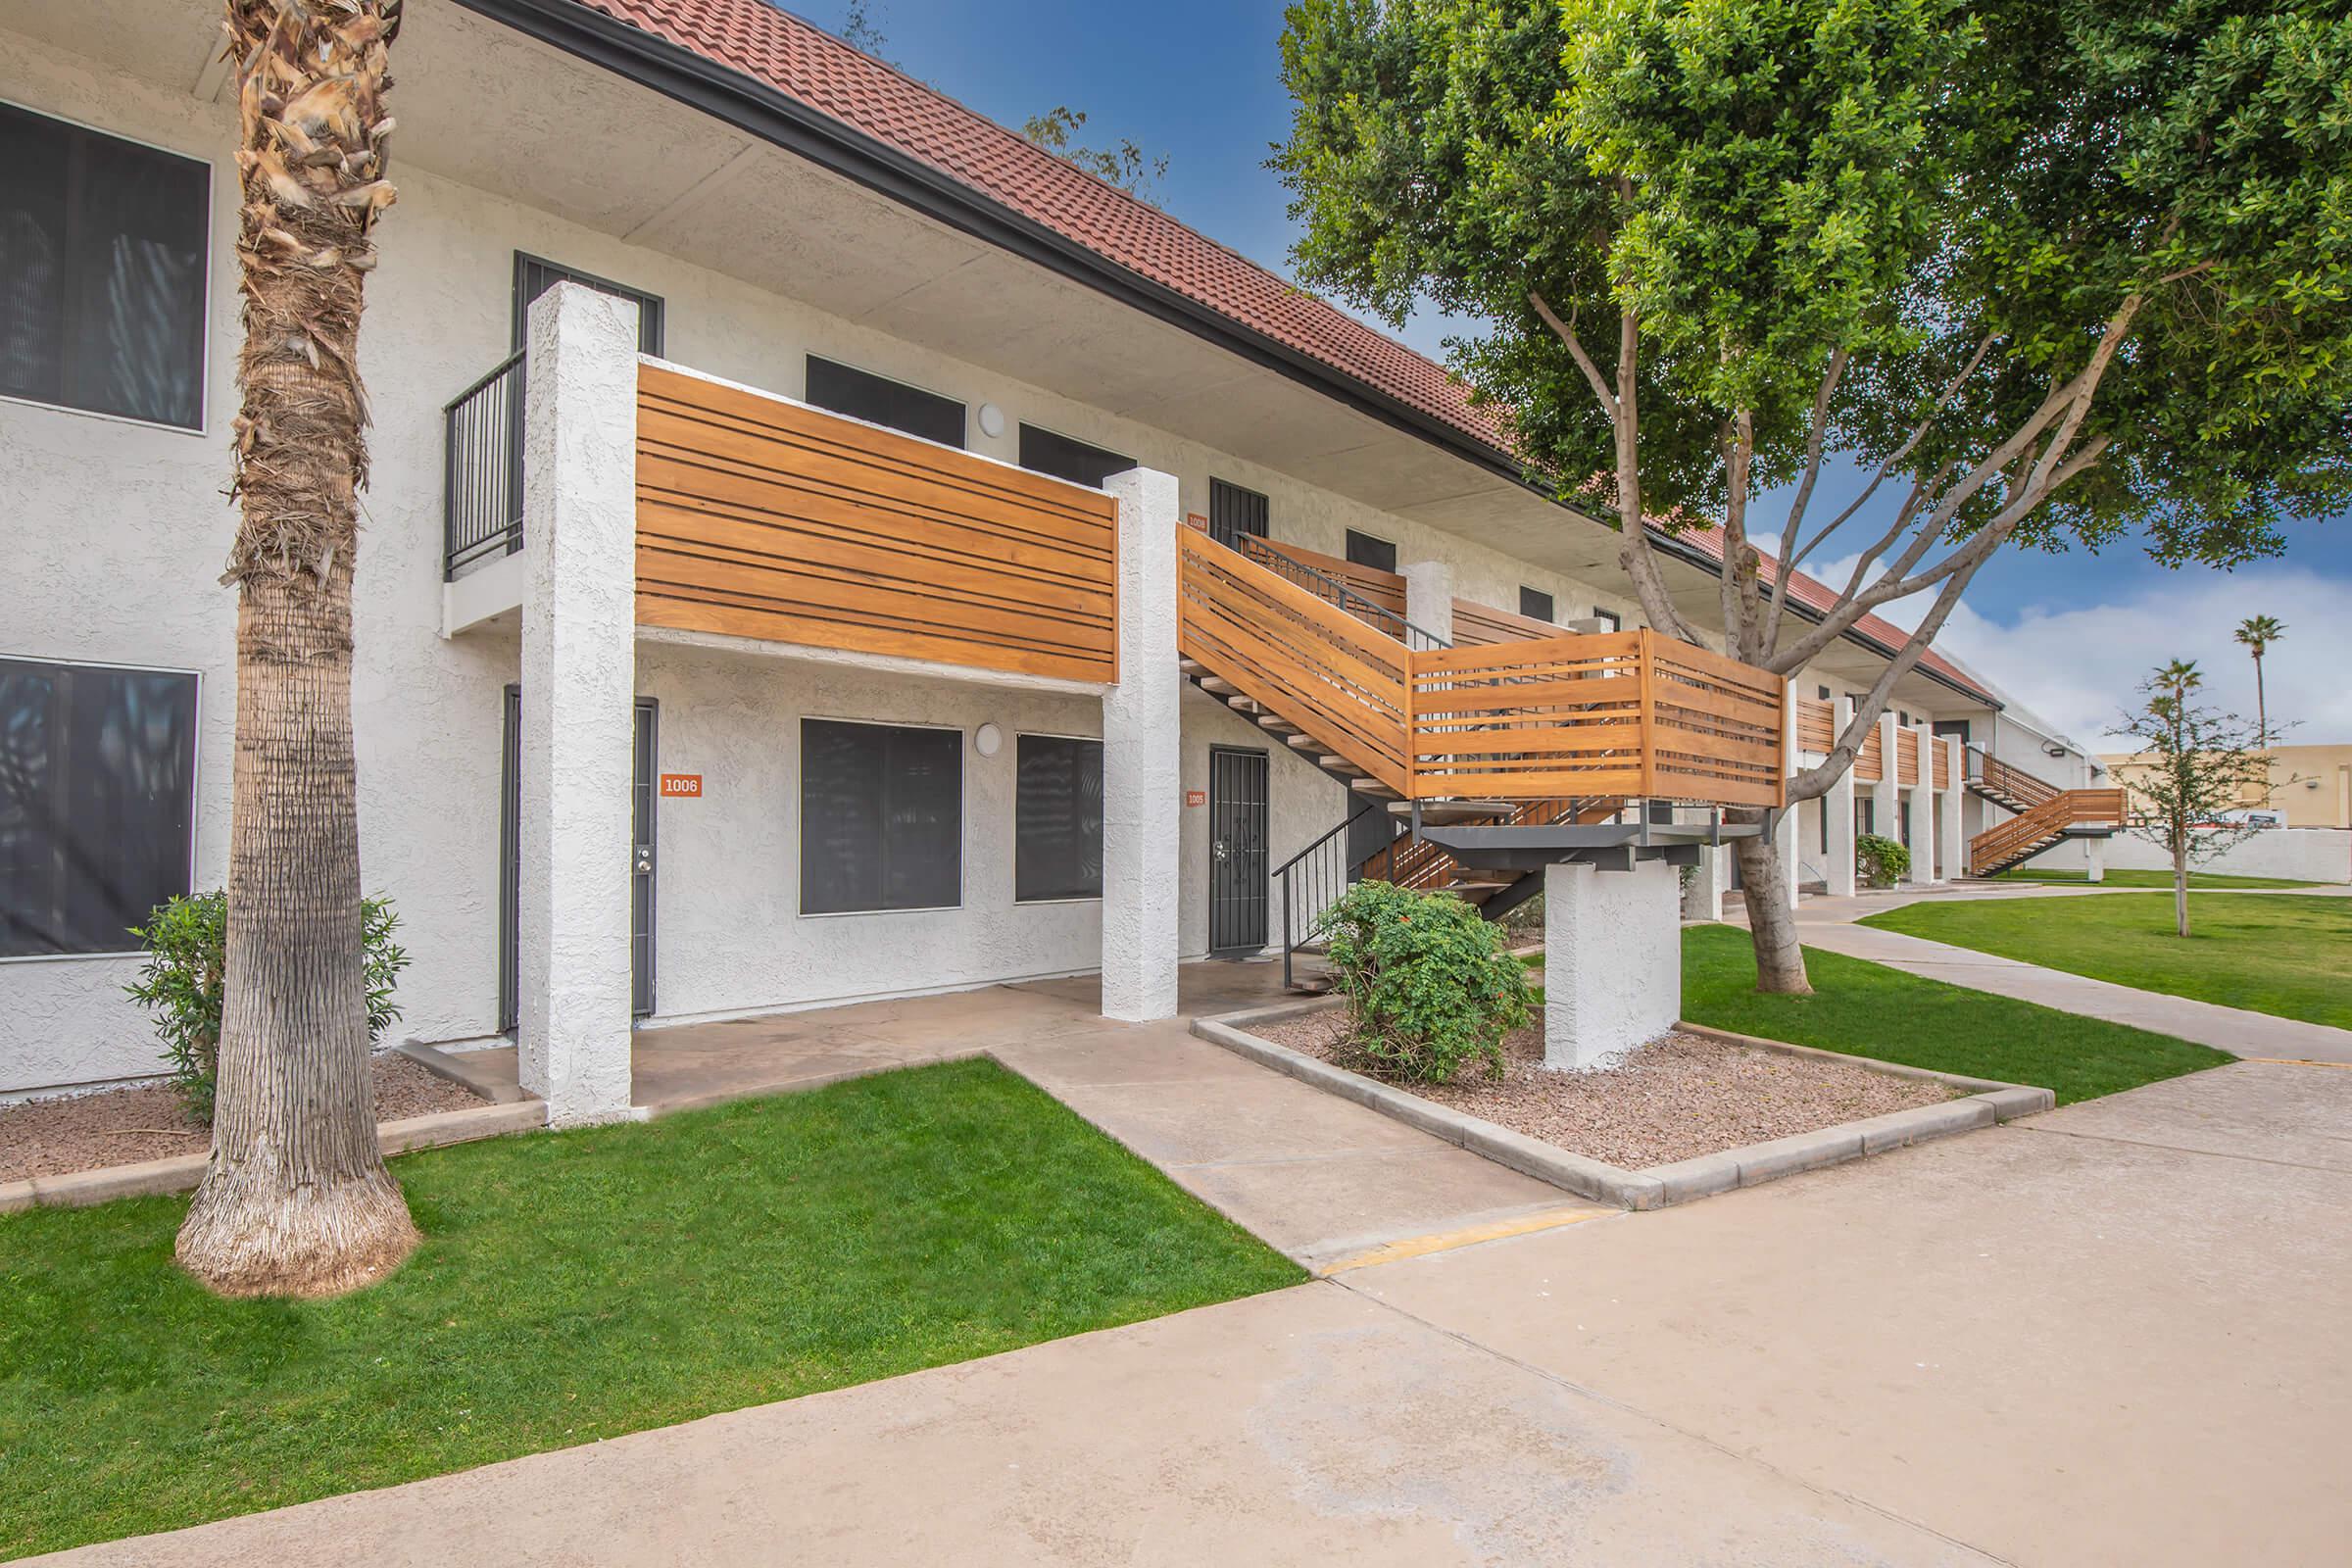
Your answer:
<point x="1838" y="843"/>
<point x="1886" y="796"/>
<point x="1922" y="809"/>
<point x="1702" y="892"/>
<point x="1951" y="851"/>
<point x="579" y="678"/>
<point x="2094" y="853"/>
<point x="1612" y="962"/>
<point x="1143" y="781"/>
<point x="1785" y="832"/>
<point x="1429" y="596"/>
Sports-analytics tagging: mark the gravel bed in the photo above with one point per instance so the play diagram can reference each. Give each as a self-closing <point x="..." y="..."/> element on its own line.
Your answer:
<point x="124" y="1126"/>
<point x="1678" y="1097"/>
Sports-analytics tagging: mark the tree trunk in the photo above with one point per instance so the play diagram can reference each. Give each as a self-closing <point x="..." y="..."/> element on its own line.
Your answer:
<point x="1771" y="917"/>
<point x="296" y="1199"/>
<point x="2181" y="881"/>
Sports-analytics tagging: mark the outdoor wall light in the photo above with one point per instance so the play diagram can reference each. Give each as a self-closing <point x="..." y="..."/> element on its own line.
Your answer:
<point x="992" y="420"/>
<point x="988" y="740"/>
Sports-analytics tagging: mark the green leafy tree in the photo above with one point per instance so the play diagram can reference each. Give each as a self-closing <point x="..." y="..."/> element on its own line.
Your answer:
<point x="1122" y="163"/>
<point x="2193" y="766"/>
<point x="2044" y="273"/>
<point x="2258" y="632"/>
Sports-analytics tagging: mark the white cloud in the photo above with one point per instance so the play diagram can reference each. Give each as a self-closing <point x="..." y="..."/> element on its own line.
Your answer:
<point x="2077" y="668"/>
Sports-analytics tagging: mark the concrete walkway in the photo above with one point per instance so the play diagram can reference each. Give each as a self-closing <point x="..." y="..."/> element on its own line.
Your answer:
<point x="1829" y="923"/>
<point x="2109" y="1334"/>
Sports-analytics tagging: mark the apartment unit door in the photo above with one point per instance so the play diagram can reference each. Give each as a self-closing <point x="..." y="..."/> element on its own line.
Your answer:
<point x="1238" y="859"/>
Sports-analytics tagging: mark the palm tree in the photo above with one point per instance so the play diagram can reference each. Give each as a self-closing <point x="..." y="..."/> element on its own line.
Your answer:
<point x="2258" y="632"/>
<point x="296" y="1199"/>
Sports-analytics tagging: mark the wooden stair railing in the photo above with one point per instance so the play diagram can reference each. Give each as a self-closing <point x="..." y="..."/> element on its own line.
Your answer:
<point x="2006" y="784"/>
<point x="2041" y="825"/>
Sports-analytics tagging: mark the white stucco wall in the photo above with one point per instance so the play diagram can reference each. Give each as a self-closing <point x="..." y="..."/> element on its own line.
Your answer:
<point x="2298" y="853"/>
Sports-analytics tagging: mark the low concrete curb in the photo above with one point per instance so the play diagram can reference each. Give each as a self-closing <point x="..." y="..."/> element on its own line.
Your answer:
<point x="452" y="1067"/>
<point x="1983" y="1103"/>
<point x="181" y="1172"/>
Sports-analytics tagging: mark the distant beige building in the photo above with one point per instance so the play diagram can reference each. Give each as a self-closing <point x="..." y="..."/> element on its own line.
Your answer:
<point x="2311" y="784"/>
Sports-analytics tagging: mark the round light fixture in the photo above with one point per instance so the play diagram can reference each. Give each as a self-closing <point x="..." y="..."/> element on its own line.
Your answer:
<point x="988" y="740"/>
<point x="992" y="420"/>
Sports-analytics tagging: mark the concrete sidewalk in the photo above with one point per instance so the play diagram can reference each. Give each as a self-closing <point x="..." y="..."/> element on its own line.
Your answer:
<point x="2108" y="1334"/>
<point x="2232" y="1029"/>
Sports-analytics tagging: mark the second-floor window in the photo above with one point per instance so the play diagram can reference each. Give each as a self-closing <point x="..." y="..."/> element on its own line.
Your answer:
<point x="1363" y="550"/>
<point x="102" y="271"/>
<point x="1045" y="451"/>
<point x="1234" y="511"/>
<point x="534" y="275"/>
<point x="878" y="399"/>
<point x="1535" y="603"/>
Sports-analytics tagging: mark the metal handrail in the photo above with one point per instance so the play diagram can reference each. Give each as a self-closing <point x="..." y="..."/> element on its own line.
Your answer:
<point x="481" y="467"/>
<point x="1331" y="874"/>
<point x="1324" y="586"/>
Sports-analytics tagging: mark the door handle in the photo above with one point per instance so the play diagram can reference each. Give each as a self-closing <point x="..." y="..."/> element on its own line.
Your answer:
<point x="1220" y="850"/>
<point x="644" y="859"/>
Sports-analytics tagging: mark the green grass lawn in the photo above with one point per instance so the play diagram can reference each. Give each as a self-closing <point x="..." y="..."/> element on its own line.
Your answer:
<point x="582" y="1284"/>
<point x="2278" y="953"/>
<point x="2121" y="877"/>
<point x="1871" y="1010"/>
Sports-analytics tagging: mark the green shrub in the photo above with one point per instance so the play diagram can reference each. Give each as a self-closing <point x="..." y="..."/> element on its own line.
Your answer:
<point x="1880" y="863"/>
<point x="1429" y="986"/>
<point x="188" y="949"/>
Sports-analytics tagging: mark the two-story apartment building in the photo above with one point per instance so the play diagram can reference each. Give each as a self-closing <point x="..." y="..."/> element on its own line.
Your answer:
<point x="897" y="562"/>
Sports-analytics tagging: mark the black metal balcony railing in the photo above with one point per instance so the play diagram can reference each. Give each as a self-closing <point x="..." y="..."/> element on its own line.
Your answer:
<point x="481" y="508"/>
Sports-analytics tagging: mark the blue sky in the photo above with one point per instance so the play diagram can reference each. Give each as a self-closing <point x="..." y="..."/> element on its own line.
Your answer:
<point x="2067" y="634"/>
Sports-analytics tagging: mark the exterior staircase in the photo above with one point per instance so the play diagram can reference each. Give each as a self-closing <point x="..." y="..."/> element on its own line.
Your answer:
<point x="2042" y="815"/>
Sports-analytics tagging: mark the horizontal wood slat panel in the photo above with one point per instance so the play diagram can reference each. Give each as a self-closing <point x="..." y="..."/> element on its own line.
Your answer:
<point x="1477" y="625"/>
<point x="1943" y="764"/>
<point x="1868" y="765"/>
<point x="1906" y="756"/>
<point x="760" y="518"/>
<point x="1816" y="727"/>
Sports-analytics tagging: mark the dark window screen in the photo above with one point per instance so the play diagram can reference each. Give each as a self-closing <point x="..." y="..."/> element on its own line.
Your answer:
<point x="881" y="818"/>
<point x="1234" y="511"/>
<point x="1057" y="820"/>
<point x="97" y="803"/>
<point x="1534" y="602"/>
<point x="102" y="248"/>
<point x="863" y="395"/>
<point x="1065" y="458"/>
<point x="534" y="276"/>
<point x="1365" y="551"/>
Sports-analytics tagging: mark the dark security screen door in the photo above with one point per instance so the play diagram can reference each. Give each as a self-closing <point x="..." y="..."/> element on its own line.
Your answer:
<point x="1237" y="850"/>
<point x="641" y="864"/>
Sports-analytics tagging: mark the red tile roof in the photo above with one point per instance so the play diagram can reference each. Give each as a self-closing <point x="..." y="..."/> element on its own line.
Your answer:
<point x="816" y="68"/>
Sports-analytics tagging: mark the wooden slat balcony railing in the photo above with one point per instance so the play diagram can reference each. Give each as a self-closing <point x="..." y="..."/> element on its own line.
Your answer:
<point x="1816" y="725"/>
<point x="1906" y="757"/>
<point x="1870" y="763"/>
<point x="1621" y="714"/>
<point x="766" y="518"/>
<point x="1943" y="772"/>
<point x="1477" y="625"/>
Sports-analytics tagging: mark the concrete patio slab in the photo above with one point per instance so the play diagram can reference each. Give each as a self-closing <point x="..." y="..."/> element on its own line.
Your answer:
<point x="1304" y="1426"/>
<point x="2290" y="1113"/>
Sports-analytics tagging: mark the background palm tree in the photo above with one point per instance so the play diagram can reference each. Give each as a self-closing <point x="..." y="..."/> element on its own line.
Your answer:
<point x="296" y="1199"/>
<point x="2258" y="632"/>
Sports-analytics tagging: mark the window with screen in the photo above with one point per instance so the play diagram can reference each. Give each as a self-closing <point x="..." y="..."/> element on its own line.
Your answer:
<point x="1067" y="458"/>
<point x="881" y="818"/>
<point x="1234" y="511"/>
<point x="102" y="270"/>
<point x="1535" y="603"/>
<point x="1057" y="820"/>
<point x="1609" y="619"/>
<point x="534" y="275"/>
<point x="878" y="399"/>
<point x="97" y="803"/>
<point x="1363" y="550"/>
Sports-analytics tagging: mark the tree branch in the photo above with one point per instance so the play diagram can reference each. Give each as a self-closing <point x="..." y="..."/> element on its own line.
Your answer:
<point x="1814" y="440"/>
<point x="1576" y="348"/>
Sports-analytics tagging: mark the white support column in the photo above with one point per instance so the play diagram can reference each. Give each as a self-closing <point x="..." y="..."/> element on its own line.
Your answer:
<point x="2095" y="856"/>
<point x="579" y="682"/>
<point x="1429" y="596"/>
<point x="1951" y="850"/>
<point x="1837" y="847"/>
<point x="1785" y="832"/>
<point x="1143" y="779"/>
<point x="1612" y="962"/>
<point x="1710" y="879"/>
<point x="1886" y="798"/>
<point x="1923" y="807"/>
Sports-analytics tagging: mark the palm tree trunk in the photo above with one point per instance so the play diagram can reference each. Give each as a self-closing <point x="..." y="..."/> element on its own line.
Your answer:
<point x="1771" y="917"/>
<point x="296" y="1199"/>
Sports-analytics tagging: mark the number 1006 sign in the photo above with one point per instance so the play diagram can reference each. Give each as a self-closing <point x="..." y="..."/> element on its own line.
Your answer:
<point x="689" y="785"/>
